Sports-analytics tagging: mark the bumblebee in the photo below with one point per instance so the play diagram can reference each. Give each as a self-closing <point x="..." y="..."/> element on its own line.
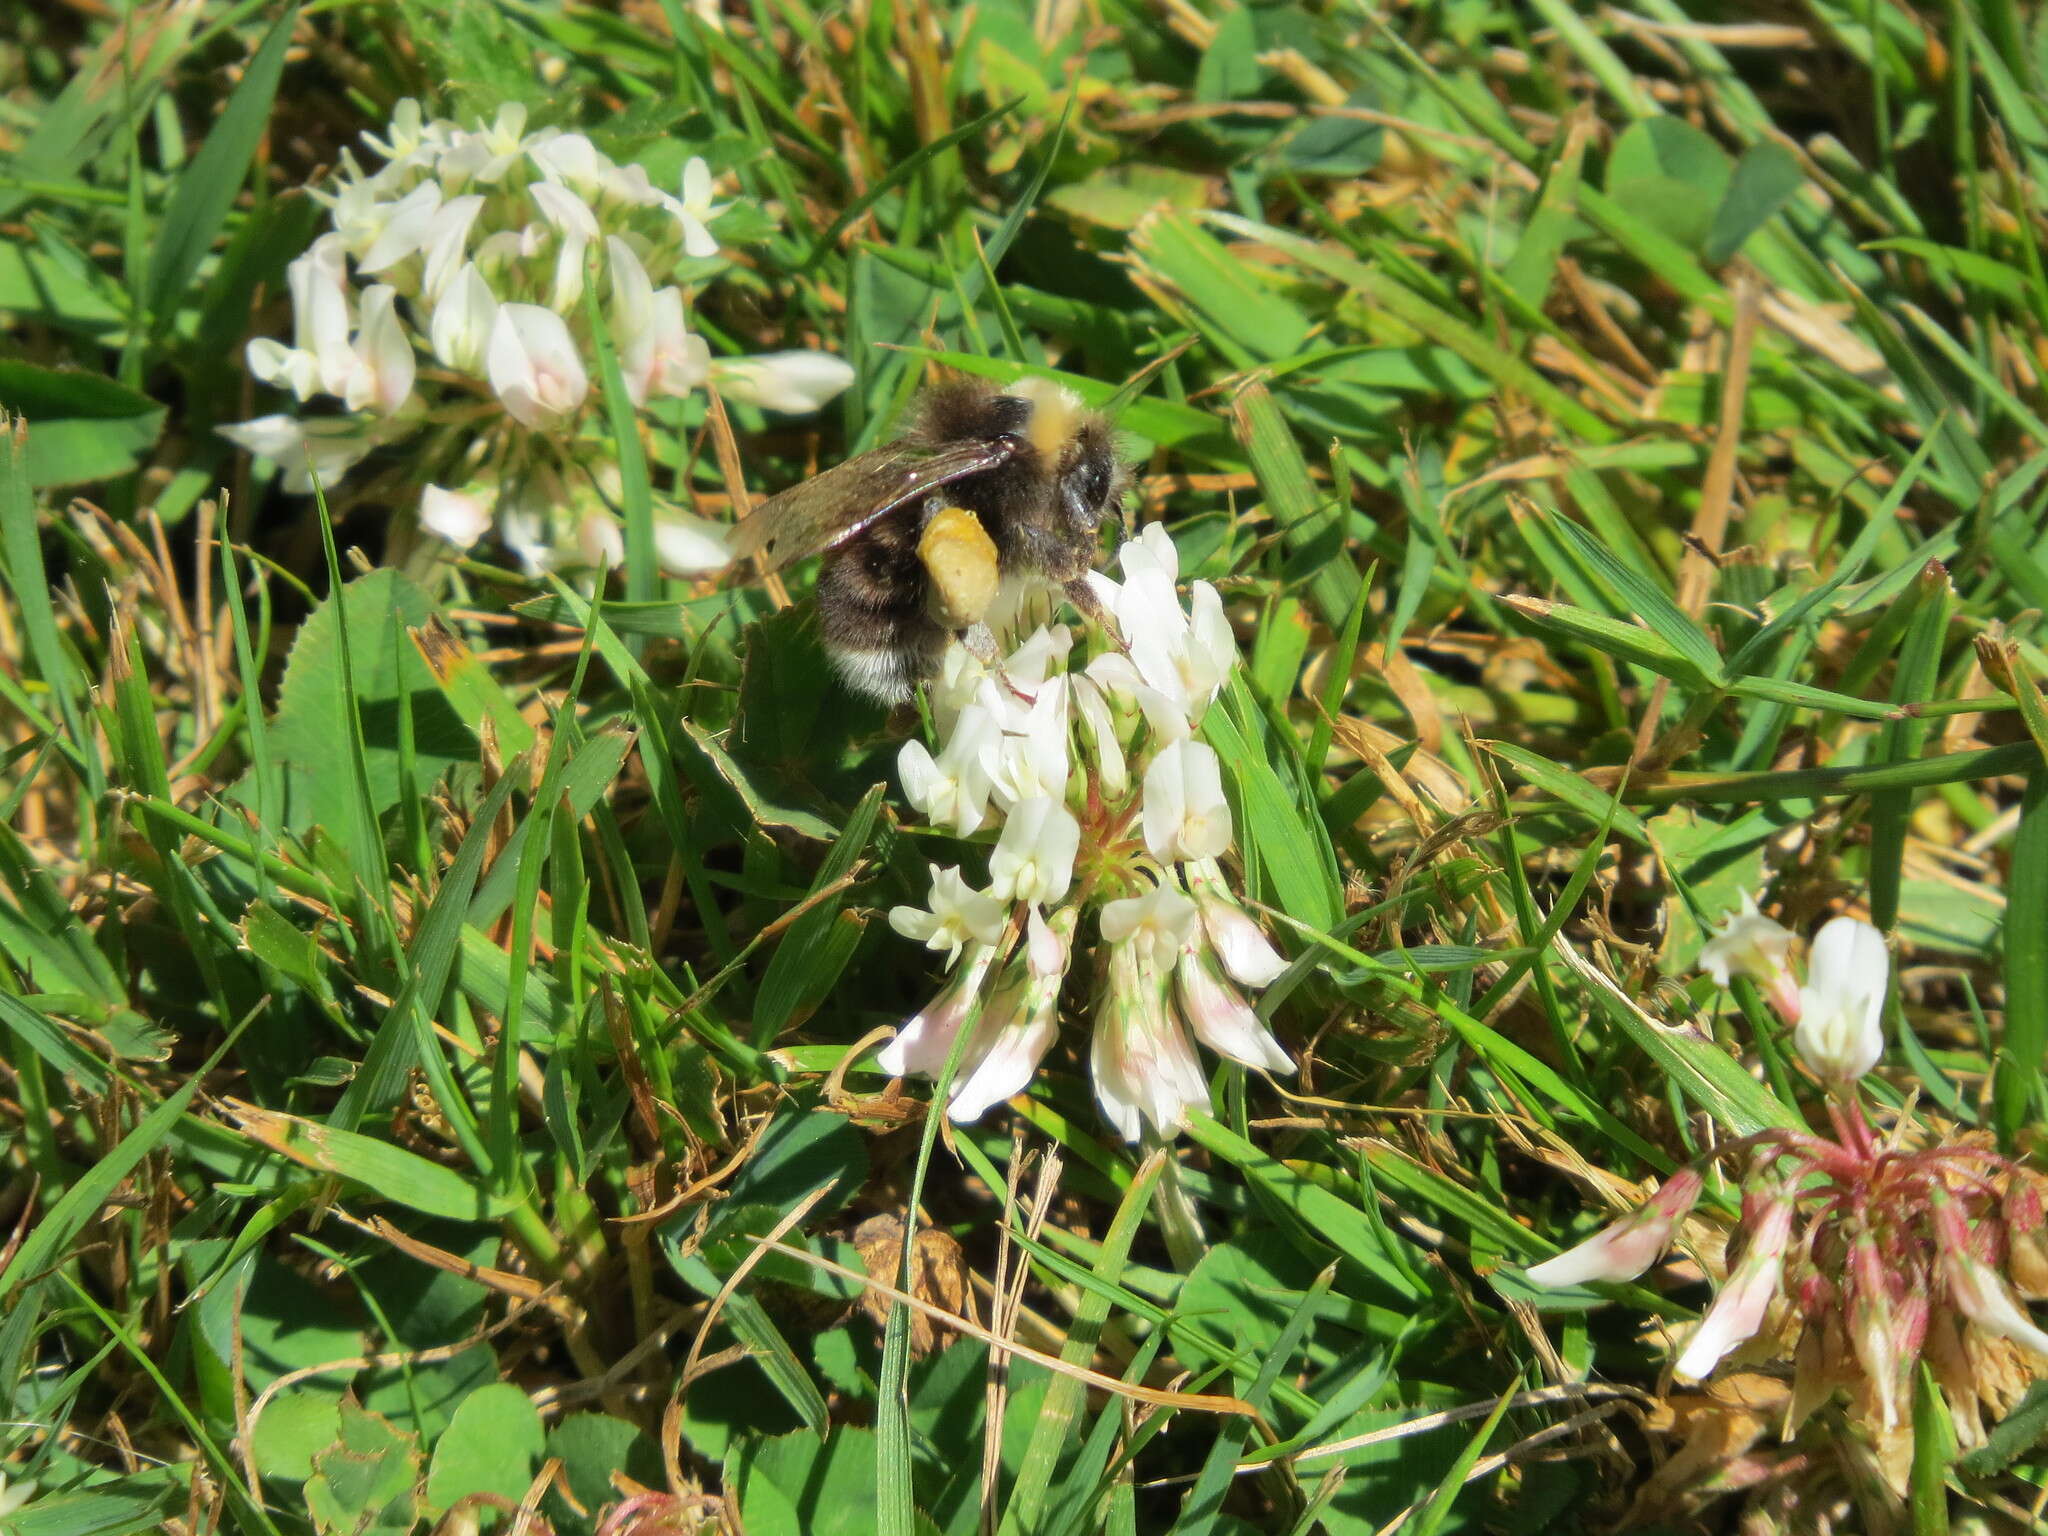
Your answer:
<point x="985" y="486"/>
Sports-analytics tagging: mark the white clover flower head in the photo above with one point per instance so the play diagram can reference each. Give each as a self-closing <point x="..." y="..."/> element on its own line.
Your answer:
<point x="406" y="134"/>
<point x="1032" y="759"/>
<point x="1017" y="1027"/>
<point x="926" y="1039"/>
<point x="454" y="245"/>
<point x="1158" y="923"/>
<point x="687" y="545"/>
<point x="959" y="914"/>
<point x="694" y="210"/>
<point x="526" y="526"/>
<point x="394" y="231"/>
<point x="600" y="540"/>
<point x="953" y="789"/>
<point x="1112" y="773"/>
<point x="326" y="447"/>
<point x="1978" y="1291"/>
<point x="382" y="377"/>
<point x="287" y="367"/>
<point x="446" y="245"/>
<point x="1841" y="1008"/>
<point x="14" y="1495"/>
<point x="460" y="331"/>
<point x="1247" y="954"/>
<point x="1105" y="804"/>
<point x="1019" y="1024"/>
<point x="1217" y="1012"/>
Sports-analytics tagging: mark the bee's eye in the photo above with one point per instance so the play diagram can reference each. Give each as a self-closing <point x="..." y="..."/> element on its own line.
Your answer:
<point x="1095" y="483"/>
<point x="1085" y="489"/>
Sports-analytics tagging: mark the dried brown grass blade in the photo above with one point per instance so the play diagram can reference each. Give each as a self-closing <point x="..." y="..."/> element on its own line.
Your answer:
<point x="1198" y="1402"/>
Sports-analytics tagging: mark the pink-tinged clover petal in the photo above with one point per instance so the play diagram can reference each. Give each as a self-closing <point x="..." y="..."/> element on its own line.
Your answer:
<point x="924" y="1042"/>
<point x="1220" y="1017"/>
<point x="385" y="368"/>
<point x="1624" y="1249"/>
<point x="1738" y="1312"/>
<point x="1248" y="957"/>
<point x="1140" y="1058"/>
<point x="535" y="370"/>
<point x="1978" y="1291"/>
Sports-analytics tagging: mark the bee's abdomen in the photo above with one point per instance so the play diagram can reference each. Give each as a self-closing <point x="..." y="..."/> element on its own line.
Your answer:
<point x="873" y="597"/>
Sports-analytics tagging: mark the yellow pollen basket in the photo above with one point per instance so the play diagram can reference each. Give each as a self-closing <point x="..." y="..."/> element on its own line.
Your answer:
<point x="960" y="558"/>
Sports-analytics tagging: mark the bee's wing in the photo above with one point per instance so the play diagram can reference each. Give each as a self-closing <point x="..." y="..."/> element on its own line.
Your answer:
<point x="831" y="507"/>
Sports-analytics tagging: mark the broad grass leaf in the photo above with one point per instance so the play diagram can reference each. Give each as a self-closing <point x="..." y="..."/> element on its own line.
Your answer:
<point x="389" y="674"/>
<point x="1617" y="637"/>
<point x="1330" y="1219"/>
<point x="1716" y="862"/>
<point x="1337" y="146"/>
<point x="1064" y="1397"/>
<point x="2016" y="1083"/>
<point x="1230" y="68"/>
<point x="1291" y="849"/>
<point x="1709" y="1076"/>
<point x="206" y="188"/>
<point x="1230" y="300"/>
<point x="81" y="1204"/>
<point x="110" y="1509"/>
<point x="802" y="742"/>
<point x="807" y="1484"/>
<point x="810" y="958"/>
<point x="82" y="426"/>
<point x="402" y="1177"/>
<point x="1118" y="196"/>
<point x="802" y="1150"/>
<point x="1645" y="599"/>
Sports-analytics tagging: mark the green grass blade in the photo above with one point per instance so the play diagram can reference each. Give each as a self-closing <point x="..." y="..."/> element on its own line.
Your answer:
<point x="207" y="186"/>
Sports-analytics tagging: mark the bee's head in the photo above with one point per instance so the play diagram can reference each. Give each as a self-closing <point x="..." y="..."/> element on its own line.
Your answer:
<point x="1091" y="481"/>
<point x="1079" y="444"/>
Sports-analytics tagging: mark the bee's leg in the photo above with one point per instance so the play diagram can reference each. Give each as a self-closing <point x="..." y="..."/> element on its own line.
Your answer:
<point x="1089" y="606"/>
<point x="980" y="641"/>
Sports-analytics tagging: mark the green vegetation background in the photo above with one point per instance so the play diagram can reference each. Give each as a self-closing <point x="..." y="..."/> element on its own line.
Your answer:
<point x="1549" y="388"/>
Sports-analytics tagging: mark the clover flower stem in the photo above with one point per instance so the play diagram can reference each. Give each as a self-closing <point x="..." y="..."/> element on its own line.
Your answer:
<point x="1845" y="1112"/>
<point x="1178" y="1222"/>
<point x="1763" y="1029"/>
